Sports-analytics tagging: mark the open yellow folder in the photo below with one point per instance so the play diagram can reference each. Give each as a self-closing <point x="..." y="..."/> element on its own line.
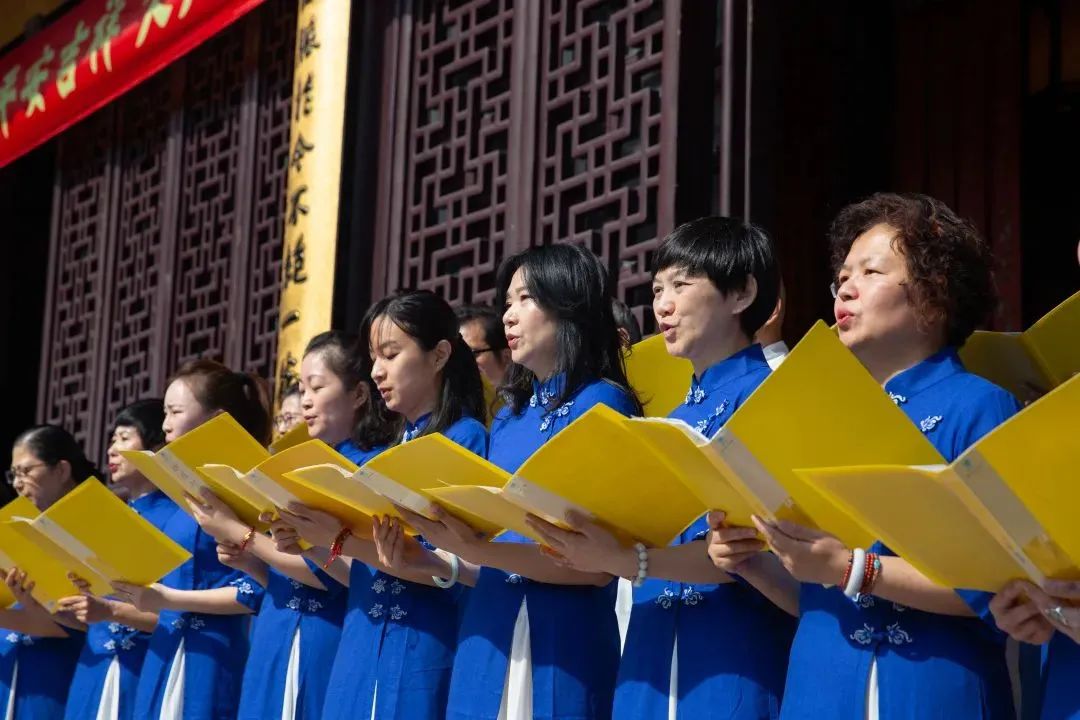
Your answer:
<point x="19" y="507"/>
<point x="1034" y="361"/>
<point x="820" y="408"/>
<point x="219" y="440"/>
<point x="265" y="487"/>
<point x="89" y="532"/>
<point x="660" y="380"/>
<point x="593" y="467"/>
<point x="1004" y="509"/>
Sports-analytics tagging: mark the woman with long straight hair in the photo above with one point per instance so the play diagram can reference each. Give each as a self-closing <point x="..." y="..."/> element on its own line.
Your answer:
<point x="536" y="639"/>
<point x="400" y="633"/>
<point x="299" y="614"/>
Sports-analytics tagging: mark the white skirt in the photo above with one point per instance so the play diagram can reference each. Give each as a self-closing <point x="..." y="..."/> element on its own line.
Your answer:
<point x="624" y="604"/>
<point x="172" y="700"/>
<point x="10" y="714"/>
<point x="673" y="683"/>
<point x="517" y="689"/>
<point x="292" y="680"/>
<point x="109" y="706"/>
<point x="872" y="692"/>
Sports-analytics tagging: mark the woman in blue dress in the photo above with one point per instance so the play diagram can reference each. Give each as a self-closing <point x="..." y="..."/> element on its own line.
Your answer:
<point x="298" y="623"/>
<point x="193" y="667"/>
<point x="913" y="281"/>
<point x="714" y="285"/>
<point x="397" y="646"/>
<point x="537" y="639"/>
<point x="38" y="651"/>
<point x="119" y="634"/>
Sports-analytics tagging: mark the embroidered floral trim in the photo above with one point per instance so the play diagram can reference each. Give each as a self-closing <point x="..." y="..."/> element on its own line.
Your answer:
<point x="894" y="635"/>
<point x="314" y="605"/>
<point x="18" y="638"/>
<point x="379" y="586"/>
<point x="897" y="398"/>
<point x="396" y="613"/>
<point x="865" y="601"/>
<point x="691" y="597"/>
<point x="695" y="395"/>
<point x="666" y="599"/>
<point x="561" y="411"/>
<point x="704" y="423"/>
<point x="243" y="587"/>
<point x="514" y="579"/>
<point x="928" y="424"/>
<point x="397" y="587"/>
<point x="294" y="603"/>
<point x="376" y="610"/>
<point x="197" y="623"/>
<point x="295" y="585"/>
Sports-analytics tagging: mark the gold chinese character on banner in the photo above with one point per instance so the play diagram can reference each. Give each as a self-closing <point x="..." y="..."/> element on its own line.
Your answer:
<point x="36" y="75"/>
<point x="8" y="95"/>
<point x="69" y="59"/>
<point x="159" y="12"/>
<point x="105" y="29"/>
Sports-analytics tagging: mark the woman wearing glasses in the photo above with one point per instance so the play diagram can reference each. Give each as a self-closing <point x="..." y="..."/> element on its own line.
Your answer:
<point x="37" y="654"/>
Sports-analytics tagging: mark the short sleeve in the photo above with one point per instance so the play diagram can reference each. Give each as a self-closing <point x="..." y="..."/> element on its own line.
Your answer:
<point x="469" y="434"/>
<point x="608" y="394"/>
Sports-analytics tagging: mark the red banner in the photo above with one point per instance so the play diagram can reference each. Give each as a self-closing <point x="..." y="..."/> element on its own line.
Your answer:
<point x="97" y="51"/>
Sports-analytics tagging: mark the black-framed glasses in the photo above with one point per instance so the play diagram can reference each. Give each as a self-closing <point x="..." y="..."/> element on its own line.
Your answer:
<point x="477" y="352"/>
<point x="14" y="473"/>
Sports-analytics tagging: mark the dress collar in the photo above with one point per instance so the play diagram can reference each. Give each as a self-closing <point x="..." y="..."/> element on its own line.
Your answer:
<point x="730" y="368"/>
<point x="917" y="378"/>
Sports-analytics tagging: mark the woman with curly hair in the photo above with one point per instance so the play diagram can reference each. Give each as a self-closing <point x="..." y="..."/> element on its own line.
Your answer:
<point x="876" y="638"/>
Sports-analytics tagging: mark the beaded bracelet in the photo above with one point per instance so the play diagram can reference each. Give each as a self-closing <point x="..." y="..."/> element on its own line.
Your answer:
<point x="335" y="547"/>
<point x="873" y="572"/>
<point x="847" y="573"/>
<point x="642" y="564"/>
<point x="247" y="539"/>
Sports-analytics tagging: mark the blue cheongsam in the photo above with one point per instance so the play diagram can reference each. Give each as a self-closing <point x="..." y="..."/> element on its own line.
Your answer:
<point x="929" y="666"/>
<point x="574" y="635"/>
<point x="1061" y="694"/>
<point x="399" y="637"/>
<point x="215" y="646"/>
<point x="107" y="641"/>
<point x="733" y="643"/>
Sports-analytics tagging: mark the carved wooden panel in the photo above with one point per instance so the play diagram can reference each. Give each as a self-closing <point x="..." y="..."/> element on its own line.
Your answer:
<point x="458" y="134"/>
<point x="202" y="284"/>
<point x="70" y="395"/>
<point x="131" y="370"/>
<point x="542" y="117"/>
<point x="599" y="140"/>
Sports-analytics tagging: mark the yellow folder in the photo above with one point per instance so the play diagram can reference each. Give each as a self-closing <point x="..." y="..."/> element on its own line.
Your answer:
<point x="1034" y="361"/>
<point x="92" y="533"/>
<point x="660" y="380"/>
<point x="219" y="440"/>
<point x="596" y="467"/>
<point x="332" y="488"/>
<point x="1002" y="510"/>
<point x="264" y="488"/>
<point x="297" y="435"/>
<point x="820" y="408"/>
<point x="19" y="507"/>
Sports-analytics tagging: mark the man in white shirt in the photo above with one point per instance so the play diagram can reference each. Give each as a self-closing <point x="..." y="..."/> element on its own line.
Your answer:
<point x="770" y="336"/>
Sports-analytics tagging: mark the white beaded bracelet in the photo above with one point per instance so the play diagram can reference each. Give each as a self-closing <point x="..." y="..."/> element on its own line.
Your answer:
<point x="642" y="564"/>
<point x="858" y="573"/>
<point x="455" y="572"/>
